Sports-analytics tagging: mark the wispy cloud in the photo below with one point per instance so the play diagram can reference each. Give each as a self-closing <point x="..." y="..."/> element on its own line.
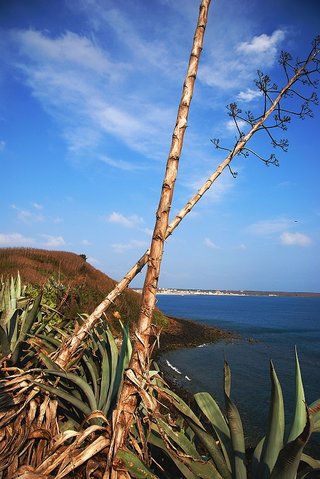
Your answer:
<point x="15" y="239"/>
<point x="120" y="164"/>
<point x="233" y="67"/>
<point x="52" y="241"/>
<point x="269" y="227"/>
<point x="216" y="192"/>
<point x="230" y="125"/>
<point x="210" y="244"/>
<point x="248" y="95"/>
<point x="295" y="239"/>
<point x="132" y="244"/>
<point x="2" y="145"/>
<point x="37" y="206"/>
<point x="263" y="45"/>
<point x="27" y="216"/>
<point x="127" y="221"/>
<point x="89" y="94"/>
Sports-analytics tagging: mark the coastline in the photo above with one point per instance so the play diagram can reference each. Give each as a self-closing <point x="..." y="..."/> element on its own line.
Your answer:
<point x="186" y="333"/>
<point x="182" y="334"/>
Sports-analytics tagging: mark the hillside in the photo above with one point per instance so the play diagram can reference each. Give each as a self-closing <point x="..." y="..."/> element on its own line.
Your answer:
<point x="82" y="287"/>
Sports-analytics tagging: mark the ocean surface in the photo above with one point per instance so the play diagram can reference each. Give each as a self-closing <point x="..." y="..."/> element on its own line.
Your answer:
<point x="269" y="328"/>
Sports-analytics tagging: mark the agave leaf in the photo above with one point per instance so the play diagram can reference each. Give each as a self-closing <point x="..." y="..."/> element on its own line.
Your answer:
<point x="236" y="429"/>
<point x="256" y="459"/>
<point x="274" y="439"/>
<point x="77" y="403"/>
<point x="213" y="450"/>
<point x="289" y="457"/>
<point x="28" y="320"/>
<point x="49" y="340"/>
<point x="18" y="286"/>
<point x="155" y="439"/>
<point x="13" y="296"/>
<point x="109" y="353"/>
<point x="212" y="411"/>
<point x="180" y="439"/>
<point x="49" y="363"/>
<point x="180" y="405"/>
<point x="206" y="439"/>
<point x="12" y="328"/>
<point x="78" y="382"/>
<point x="134" y="466"/>
<point x="300" y="416"/>
<point x="114" y="364"/>
<point x="314" y="463"/>
<point x="4" y="343"/>
<point x="93" y="372"/>
<point x="203" y="469"/>
<point x="123" y="362"/>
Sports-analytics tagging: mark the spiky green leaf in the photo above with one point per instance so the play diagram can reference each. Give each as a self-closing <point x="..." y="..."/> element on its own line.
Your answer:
<point x="300" y="417"/>
<point x="236" y="429"/>
<point x="288" y="461"/>
<point x="274" y="439"/>
<point x="212" y="411"/>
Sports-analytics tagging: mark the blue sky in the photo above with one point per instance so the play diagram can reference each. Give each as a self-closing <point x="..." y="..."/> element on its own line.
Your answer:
<point x="90" y="90"/>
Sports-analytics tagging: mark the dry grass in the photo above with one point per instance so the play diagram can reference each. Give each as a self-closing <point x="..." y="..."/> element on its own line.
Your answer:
<point x="87" y="286"/>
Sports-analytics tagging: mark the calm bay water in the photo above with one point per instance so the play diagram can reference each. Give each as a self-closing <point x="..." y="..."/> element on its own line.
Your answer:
<point x="269" y="328"/>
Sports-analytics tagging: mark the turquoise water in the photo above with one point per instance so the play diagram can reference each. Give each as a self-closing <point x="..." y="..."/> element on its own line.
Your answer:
<point x="269" y="329"/>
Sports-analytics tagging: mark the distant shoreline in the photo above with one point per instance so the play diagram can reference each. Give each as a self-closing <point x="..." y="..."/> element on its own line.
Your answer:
<point x="217" y="292"/>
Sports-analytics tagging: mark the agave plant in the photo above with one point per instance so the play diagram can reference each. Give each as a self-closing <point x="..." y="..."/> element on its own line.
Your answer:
<point x="197" y="453"/>
<point x="18" y="315"/>
<point x="94" y="381"/>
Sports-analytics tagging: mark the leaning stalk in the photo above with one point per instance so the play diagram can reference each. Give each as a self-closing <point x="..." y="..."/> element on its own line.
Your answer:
<point x="72" y="344"/>
<point x="140" y="358"/>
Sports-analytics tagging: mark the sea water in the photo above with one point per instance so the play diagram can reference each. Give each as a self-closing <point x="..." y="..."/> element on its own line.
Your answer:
<point x="269" y="328"/>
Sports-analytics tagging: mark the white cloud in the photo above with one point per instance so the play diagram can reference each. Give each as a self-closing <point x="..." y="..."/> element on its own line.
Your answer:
<point x="248" y="95"/>
<point x="88" y="95"/>
<point x="269" y="227"/>
<point x="219" y="189"/>
<point x="132" y="244"/>
<point x="263" y="44"/>
<point x="26" y="216"/>
<point x="233" y="66"/>
<point x="120" y="164"/>
<point x="295" y="239"/>
<point x="127" y="221"/>
<point x="230" y="125"/>
<point x="69" y="48"/>
<point x="37" y="206"/>
<point x="2" y="145"/>
<point x="53" y="241"/>
<point x="14" y="239"/>
<point x="210" y="244"/>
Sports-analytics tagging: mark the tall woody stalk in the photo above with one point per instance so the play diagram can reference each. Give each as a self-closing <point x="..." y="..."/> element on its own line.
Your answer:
<point x="69" y="348"/>
<point x="126" y="406"/>
<point x="162" y="215"/>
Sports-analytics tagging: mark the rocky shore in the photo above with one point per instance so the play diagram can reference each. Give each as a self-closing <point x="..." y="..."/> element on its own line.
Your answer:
<point x="185" y="333"/>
